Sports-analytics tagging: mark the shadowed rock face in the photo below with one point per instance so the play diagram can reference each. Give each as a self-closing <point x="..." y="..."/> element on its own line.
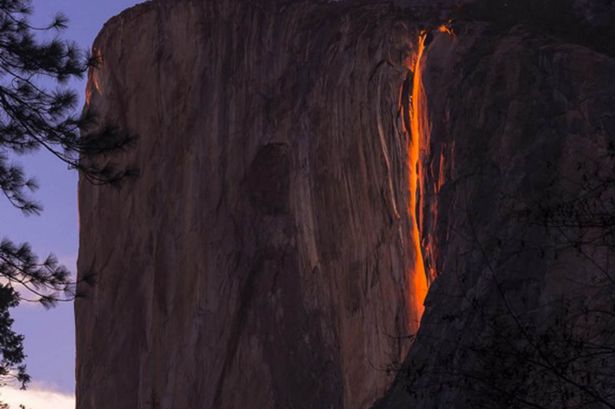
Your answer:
<point x="264" y="257"/>
<point x="520" y="124"/>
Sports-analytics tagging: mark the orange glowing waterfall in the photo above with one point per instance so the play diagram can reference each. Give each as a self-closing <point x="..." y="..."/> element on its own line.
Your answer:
<point x="419" y="127"/>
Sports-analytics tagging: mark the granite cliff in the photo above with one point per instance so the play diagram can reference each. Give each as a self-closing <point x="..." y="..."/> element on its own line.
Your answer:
<point x="307" y="171"/>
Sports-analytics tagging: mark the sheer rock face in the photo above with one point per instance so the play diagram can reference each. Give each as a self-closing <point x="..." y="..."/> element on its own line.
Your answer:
<point x="262" y="258"/>
<point x="520" y="124"/>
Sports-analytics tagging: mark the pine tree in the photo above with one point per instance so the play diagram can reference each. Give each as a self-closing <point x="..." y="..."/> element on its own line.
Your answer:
<point x="33" y="118"/>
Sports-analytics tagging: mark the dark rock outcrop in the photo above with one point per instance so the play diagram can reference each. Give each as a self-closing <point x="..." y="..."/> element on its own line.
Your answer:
<point x="522" y="134"/>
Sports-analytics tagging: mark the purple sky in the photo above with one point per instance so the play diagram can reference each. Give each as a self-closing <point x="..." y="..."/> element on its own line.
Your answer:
<point x="49" y="335"/>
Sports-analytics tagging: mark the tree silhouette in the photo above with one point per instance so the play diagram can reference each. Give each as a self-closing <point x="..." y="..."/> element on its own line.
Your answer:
<point x="32" y="118"/>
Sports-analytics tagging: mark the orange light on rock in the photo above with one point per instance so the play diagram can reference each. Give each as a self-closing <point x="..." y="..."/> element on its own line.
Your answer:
<point x="446" y="29"/>
<point x="94" y="83"/>
<point x="419" y="127"/>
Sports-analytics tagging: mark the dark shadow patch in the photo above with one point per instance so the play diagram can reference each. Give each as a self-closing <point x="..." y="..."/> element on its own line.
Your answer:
<point x="268" y="180"/>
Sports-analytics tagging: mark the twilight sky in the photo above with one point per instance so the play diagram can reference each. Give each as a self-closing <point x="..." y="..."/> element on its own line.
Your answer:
<point x="50" y="343"/>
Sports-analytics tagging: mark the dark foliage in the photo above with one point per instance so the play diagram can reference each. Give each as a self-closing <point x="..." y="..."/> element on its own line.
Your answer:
<point x="32" y="118"/>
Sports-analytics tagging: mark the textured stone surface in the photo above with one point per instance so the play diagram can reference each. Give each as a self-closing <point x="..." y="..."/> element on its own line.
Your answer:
<point x="518" y="122"/>
<point x="262" y="258"/>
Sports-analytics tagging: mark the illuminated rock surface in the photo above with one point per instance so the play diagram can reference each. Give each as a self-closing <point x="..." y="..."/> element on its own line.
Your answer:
<point x="518" y="123"/>
<point x="265" y="257"/>
<point x="262" y="258"/>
